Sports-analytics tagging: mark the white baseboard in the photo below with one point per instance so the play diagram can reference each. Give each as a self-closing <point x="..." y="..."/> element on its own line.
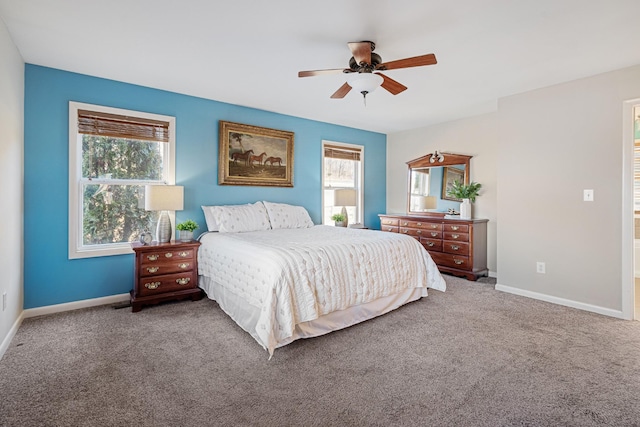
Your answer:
<point x="12" y="332"/>
<point x="59" y="308"/>
<point x="493" y="274"/>
<point x="561" y="301"/>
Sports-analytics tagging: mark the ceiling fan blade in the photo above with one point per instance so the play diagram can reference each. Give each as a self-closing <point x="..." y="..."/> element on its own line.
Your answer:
<point x="416" y="61"/>
<point x="342" y="92"/>
<point x="322" y="72"/>
<point x="361" y="52"/>
<point x="391" y="85"/>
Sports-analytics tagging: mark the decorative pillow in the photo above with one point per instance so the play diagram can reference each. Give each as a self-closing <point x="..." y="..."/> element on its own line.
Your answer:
<point x="240" y="218"/>
<point x="282" y="215"/>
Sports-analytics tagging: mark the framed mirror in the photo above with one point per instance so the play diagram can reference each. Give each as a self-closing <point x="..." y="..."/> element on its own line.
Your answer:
<point x="429" y="179"/>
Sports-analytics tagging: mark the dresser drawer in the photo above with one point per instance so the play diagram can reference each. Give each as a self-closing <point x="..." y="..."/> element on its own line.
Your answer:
<point x="416" y="232"/>
<point x="459" y="228"/>
<point x="421" y="224"/>
<point x="167" y="283"/>
<point x="431" y="245"/>
<point x="389" y="221"/>
<point x="461" y="248"/>
<point x="390" y="228"/>
<point x="456" y="235"/>
<point x="450" y="260"/>
<point x="156" y="269"/>
<point x="161" y="256"/>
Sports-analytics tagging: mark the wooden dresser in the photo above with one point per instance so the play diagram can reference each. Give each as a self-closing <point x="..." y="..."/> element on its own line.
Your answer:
<point x="457" y="246"/>
<point x="165" y="271"/>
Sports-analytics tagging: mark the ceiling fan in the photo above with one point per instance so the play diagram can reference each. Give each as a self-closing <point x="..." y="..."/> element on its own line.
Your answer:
<point x="365" y="67"/>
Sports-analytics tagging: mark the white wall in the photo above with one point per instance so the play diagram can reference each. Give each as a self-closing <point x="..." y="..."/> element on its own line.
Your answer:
<point x="475" y="136"/>
<point x="554" y="143"/>
<point x="534" y="157"/>
<point x="11" y="189"/>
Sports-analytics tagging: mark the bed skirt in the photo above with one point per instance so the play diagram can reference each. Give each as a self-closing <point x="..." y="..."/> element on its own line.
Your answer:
<point x="246" y="315"/>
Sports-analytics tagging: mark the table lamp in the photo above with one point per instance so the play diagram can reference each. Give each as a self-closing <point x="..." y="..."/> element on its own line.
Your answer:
<point x="163" y="198"/>
<point x="426" y="203"/>
<point x="344" y="197"/>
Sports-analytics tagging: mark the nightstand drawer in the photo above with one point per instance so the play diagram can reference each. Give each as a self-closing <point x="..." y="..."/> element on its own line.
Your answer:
<point x="167" y="255"/>
<point x="150" y="269"/>
<point x="167" y="283"/>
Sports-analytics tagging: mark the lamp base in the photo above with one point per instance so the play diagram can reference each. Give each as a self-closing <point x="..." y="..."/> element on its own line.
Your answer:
<point x="164" y="232"/>
<point x="346" y="216"/>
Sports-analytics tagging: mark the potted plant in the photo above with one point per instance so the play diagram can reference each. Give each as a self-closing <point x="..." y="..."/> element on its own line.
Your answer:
<point x="339" y="219"/>
<point x="185" y="230"/>
<point x="468" y="194"/>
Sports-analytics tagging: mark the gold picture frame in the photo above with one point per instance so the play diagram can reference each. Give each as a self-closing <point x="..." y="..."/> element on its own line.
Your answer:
<point x="253" y="155"/>
<point x="449" y="176"/>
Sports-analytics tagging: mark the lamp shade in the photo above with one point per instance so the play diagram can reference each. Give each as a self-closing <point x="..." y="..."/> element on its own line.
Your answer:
<point x="427" y="202"/>
<point x="364" y="82"/>
<point x="344" y="197"/>
<point x="163" y="198"/>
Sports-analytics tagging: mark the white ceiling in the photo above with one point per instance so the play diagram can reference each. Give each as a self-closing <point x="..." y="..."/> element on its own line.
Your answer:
<point x="248" y="52"/>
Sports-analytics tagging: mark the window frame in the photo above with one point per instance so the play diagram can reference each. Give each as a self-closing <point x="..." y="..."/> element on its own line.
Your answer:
<point x="76" y="248"/>
<point x="359" y="181"/>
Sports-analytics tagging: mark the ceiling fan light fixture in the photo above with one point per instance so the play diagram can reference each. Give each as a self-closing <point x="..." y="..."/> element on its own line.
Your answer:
<point x="365" y="82"/>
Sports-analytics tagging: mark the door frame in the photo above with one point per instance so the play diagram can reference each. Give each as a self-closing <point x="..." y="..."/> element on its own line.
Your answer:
<point x="628" y="242"/>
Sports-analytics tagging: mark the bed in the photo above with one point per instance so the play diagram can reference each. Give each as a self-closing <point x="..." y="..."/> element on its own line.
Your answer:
<point x="281" y="278"/>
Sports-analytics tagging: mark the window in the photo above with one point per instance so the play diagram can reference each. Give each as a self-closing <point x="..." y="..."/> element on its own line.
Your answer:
<point x="342" y="168"/>
<point x="113" y="154"/>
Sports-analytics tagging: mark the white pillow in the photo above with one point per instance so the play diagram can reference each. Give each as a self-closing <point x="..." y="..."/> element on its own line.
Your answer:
<point x="212" y="224"/>
<point x="282" y="215"/>
<point x="240" y="218"/>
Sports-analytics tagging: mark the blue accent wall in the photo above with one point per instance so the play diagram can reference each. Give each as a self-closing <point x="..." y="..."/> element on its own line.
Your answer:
<point x="51" y="278"/>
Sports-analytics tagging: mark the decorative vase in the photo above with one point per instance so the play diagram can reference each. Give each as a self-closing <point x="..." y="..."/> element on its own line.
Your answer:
<point x="185" y="235"/>
<point x="465" y="209"/>
<point x="340" y="224"/>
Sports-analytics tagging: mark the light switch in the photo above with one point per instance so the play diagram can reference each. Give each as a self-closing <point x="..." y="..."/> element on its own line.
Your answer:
<point x="588" y="195"/>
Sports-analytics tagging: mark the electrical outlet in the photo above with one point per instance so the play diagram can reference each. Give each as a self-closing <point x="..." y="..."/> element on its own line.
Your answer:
<point x="588" y="195"/>
<point x="540" y="267"/>
<point x="4" y="301"/>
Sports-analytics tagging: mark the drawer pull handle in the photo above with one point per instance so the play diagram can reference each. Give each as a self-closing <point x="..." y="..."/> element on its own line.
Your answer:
<point x="183" y="280"/>
<point x="405" y="223"/>
<point x="430" y="244"/>
<point x="419" y="224"/>
<point x="183" y="254"/>
<point x="419" y="231"/>
<point x="434" y="234"/>
<point x="152" y="285"/>
<point x="455" y="247"/>
<point x="434" y="226"/>
<point x="454" y="227"/>
<point x="168" y="254"/>
<point x="184" y="265"/>
<point x="458" y="261"/>
<point x="152" y="257"/>
<point x="389" y="228"/>
<point x="405" y="231"/>
<point x="152" y="269"/>
<point x="455" y="236"/>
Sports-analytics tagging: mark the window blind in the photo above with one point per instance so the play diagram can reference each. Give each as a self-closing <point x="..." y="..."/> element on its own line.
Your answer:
<point x="344" y="153"/>
<point x="117" y="126"/>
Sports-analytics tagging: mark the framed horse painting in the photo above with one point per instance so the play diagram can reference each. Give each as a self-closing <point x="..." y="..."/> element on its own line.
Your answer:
<point x="252" y="155"/>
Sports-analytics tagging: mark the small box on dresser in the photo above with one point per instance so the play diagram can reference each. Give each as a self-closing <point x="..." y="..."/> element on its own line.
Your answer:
<point x="457" y="246"/>
<point x="164" y="272"/>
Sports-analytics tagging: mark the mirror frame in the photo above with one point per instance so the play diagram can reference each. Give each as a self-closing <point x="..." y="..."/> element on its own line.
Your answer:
<point x="450" y="159"/>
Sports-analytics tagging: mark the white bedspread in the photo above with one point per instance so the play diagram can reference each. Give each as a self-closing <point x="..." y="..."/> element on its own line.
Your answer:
<point x="298" y="275"/>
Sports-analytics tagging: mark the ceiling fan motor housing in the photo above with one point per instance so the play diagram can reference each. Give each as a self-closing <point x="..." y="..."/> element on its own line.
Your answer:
<point x="367" y="68"/>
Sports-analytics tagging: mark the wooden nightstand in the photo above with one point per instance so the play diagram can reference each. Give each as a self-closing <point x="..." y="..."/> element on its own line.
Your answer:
<point x="163" y="272"/>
